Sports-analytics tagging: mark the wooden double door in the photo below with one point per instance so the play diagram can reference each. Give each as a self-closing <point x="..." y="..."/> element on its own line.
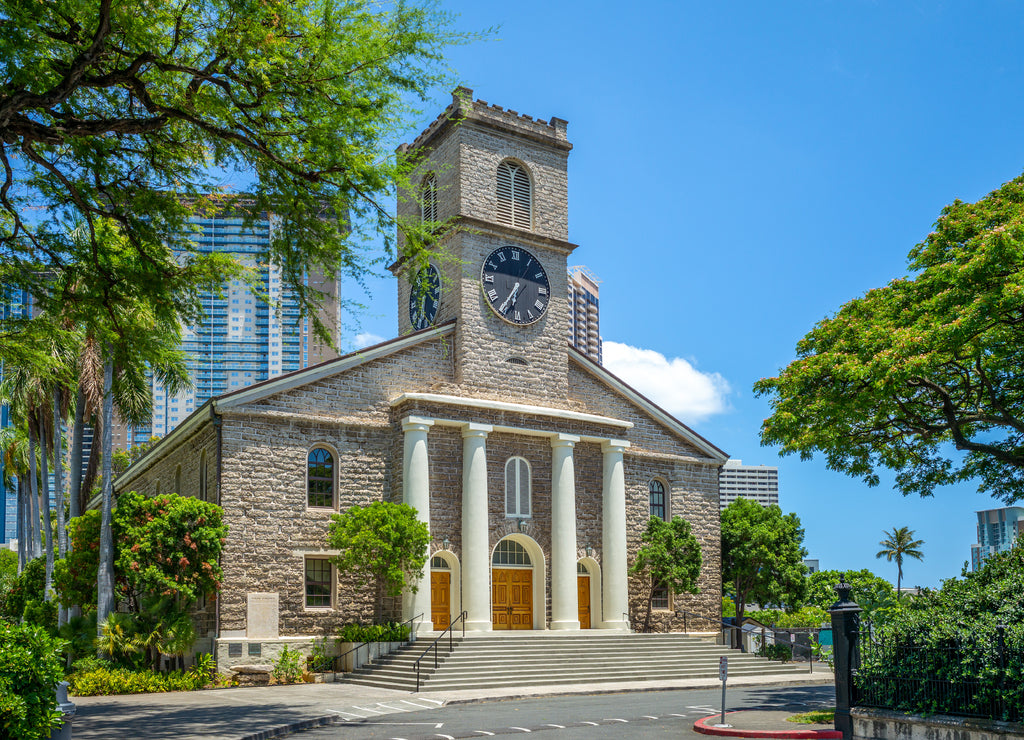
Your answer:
<point x="511" y="599"/>
<point x="583" y="597"/>
<point x="440" y="598"/>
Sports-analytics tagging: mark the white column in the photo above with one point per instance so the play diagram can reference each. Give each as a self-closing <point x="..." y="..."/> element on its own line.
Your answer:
<point x="476" y="553"/>
<point x="614" y="579"/>
<point x="416" y="493"/>
<point x="565" y="613"/>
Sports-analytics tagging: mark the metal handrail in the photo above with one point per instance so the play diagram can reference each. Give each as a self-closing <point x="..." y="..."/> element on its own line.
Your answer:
<point x="410" y="638"/>
<point x="448" y="629"/>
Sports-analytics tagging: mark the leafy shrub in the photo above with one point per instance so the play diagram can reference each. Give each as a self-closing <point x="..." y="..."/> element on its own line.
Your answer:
<point x="388" y="632"/>
<point x="30" y="667"/>
<point x="287" y="666"/>
<point x="29" y="584"/>
<point x="204" y="668"/>
<point x="782" y="653"/>
<point x="807" y="617"/>
<point x="111" y="681"/>
<point x="80" y="632"/>
<point x="41" y="613"/>
<point x="318" y="659"/>
<point x="90" y="663"/>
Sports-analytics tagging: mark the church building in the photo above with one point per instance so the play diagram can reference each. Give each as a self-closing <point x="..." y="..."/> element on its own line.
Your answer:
<point x="535" y="468"/>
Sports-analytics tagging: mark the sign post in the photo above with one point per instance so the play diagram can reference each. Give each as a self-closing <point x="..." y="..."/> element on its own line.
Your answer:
<point x="723" y="674"/>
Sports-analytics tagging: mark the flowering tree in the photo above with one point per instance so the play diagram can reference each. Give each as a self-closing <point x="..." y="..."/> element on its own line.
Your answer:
<point x="900" y="377"/>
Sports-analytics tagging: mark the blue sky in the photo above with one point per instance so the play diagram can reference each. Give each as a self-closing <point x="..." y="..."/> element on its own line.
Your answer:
<point x="742" y="169"/>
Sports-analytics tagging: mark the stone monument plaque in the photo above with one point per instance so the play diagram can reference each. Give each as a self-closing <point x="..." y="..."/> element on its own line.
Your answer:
<point x="261" y="616"/>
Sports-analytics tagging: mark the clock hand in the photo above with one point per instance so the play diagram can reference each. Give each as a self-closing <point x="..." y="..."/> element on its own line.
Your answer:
<point x="511" y="298"/>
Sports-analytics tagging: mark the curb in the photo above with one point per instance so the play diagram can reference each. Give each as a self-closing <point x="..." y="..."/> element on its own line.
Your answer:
<point x="705" y="729"/>
<point x="293" y="727"/>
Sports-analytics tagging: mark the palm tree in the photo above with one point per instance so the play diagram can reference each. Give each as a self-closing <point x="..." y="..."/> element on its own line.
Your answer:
<point x="898" y="544"/>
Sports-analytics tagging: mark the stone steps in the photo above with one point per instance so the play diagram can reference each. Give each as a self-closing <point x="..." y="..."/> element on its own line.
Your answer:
<point x="509" y="661"/>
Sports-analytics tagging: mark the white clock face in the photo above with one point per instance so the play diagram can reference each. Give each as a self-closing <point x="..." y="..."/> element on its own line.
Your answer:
<point x="515" y="285"/>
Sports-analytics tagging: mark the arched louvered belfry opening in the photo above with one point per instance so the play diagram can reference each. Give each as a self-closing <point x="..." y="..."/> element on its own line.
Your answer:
<point x="515" y="195"/>
<point x="428" y="198"/>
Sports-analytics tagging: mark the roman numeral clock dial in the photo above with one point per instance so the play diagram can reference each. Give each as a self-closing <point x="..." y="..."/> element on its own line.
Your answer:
<point x="515" y="285"/>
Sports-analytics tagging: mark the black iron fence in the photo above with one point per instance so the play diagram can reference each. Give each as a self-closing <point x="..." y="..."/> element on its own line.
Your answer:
<point x="976" y="675"/>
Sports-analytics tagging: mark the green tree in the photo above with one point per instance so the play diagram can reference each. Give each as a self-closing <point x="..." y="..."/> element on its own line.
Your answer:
<point x="8" y="568"/>
<point x="902" y="376"/>
<point x="135" y="118"/>
<point x="899" y="544"/>
<point x="30" y="666"/>
<point x="383" y="544"/>
<point x="670" y="557"/>
<point x="869" y="591"/>
<point x="762" y="555"/>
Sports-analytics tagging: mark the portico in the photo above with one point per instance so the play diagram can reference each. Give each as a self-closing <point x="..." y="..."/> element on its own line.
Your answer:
<point x="480" y="532"/>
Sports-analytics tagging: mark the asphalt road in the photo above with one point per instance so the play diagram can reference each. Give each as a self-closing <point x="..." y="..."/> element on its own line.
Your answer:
<point x="653" y="714"/>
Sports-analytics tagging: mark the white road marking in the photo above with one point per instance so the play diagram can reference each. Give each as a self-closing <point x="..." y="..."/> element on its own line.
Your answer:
<point x="414" y="704"/>
<point x="519" y="728"/>
<point x="673" y="714"/>
<point x="346" y="715"/>
<point x="484" y="732"/>
<point x="649" y="716"/>
<point x="560" y="727"/>
<point x="367" y="709"/>
<point x="446" y="737"/>
<point x="396" y="709"/>
<point x="432" y="701"/>
<point x="592" y="724"/>
<point x="705" y="709"/>
<point x="616" y="719"/>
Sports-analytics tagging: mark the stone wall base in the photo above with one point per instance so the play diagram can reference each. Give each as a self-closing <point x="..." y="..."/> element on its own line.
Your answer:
<point x="883" y="724"/>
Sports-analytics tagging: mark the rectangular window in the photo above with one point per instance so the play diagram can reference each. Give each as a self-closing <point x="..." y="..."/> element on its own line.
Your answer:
<point x="659" y="599"/>
<point x="318" y="583"/>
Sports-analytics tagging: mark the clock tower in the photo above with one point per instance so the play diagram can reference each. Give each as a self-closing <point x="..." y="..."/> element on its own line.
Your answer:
<point x="499" y="179"/>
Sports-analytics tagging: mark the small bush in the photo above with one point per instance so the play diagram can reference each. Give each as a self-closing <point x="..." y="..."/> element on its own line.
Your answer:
<point x="287" y="667"/>
<point x="782" y="653"/>
<point x="319" y="660"/>
<point x="114" y="681"/>
<point x="388" y="632"/>
<point x="30" y="666"/>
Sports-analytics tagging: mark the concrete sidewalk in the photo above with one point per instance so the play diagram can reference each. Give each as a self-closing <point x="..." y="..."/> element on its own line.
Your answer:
<point x="271" y="711"/>
<point x="762" y="723"/>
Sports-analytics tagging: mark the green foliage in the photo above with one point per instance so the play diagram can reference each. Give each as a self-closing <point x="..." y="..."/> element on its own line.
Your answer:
<point x="901" y="376"/>
<point x="168" y="544"/>
<point x="134" y="118"/>
<point x="777" y="651"/>
<point x="41" y="613"/>
<point x="762" y="555"/>
<point x="204" y="668"/>
<point x="89" y="663"/>
<point x="381" y="543"/>
<point x="814" y="717"/>
<point x="728" y="607"/>
<point x="388" y="632"/>
<point x="869" y="591"/>
<point x="806" y="617"/>
<point x="8" y="569"/>
<point x="29" y="585"/>
<point x="74" y="577"/>
<point x="669" y="556"/>
<point x="104" y="681"/>
<point x="287" y="667"/>
<point x="951" y="634"/>
<point x="319" y="660"/>
<point x="30" y="667"/>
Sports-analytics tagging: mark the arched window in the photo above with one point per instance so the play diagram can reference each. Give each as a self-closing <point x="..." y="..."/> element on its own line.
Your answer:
<point x="439" y="563"/>
<point x="428" y="198"/>
<point x="510" y="552"/>
<point x="515" y="199"/>
<point x="657" y="497"/>
<point x="320" y="478"/>
<point x="517" y="487"/>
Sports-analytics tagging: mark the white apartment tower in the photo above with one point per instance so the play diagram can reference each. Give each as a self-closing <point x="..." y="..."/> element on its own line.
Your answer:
<point x="584" y="325"/>
<point x="758" y="483"/>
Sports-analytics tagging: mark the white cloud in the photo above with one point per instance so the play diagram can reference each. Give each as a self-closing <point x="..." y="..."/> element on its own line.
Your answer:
<point x="366" y="339"/>
<point x="675" y="385"/>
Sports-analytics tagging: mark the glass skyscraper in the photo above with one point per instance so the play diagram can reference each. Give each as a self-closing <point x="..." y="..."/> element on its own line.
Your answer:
<point x="242" y="339"/>
<point x="16" y="303"/>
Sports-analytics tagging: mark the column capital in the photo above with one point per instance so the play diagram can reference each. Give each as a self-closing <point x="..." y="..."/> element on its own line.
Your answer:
<point x="564" y="440"/>
<point x="614" y="445"/>
<point x="416" y="424"/>
<point x="472" y="429"/>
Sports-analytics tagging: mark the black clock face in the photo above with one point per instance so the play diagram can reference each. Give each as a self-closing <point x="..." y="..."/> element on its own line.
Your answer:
<point x="515" y="285"/>
<point x="424" y="297"/>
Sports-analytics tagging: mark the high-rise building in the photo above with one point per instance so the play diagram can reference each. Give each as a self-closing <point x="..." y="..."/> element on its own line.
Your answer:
<point x="584" y="324"/>
<point x="16" y="303"/>
<point x="998" y="530"/>
<point x="242" y="339"/>
<point x="758" y="483"/>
